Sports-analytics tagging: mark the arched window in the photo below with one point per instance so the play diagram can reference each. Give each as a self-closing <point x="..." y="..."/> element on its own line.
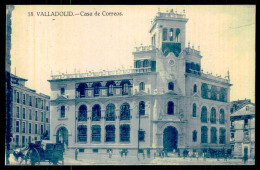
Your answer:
<point x="110" y="133"/>
<point x="96" y="133"/>
<point x="170" y="86"/>
<point x="125" y="89"/>
<point x="82" y="133"/>
<point x="204" y="90"/>
<point x="204" y="134"/>
<point x="213" y="95"/>
<point x="221" y="116"/>
<point x="82" y="115"/>
<point x="222" y="135"/>
<point x="194" y="88"/>
<point x="125" y="112"/>
<point x="110" y="112"/>
<point x="213" y="134"/>
<point x="171" y="34"/>
<point x="141" y="86"/>
<point x="204" y="115"/>
<point x="165" y="34"/>
<point x="177" y="35"/>
<point x="125" y="133"/>
<point x="213" y="115"/>
<point x="96" y="87"/>
<point x="138" y="64"/>
<point x="96" y="113"/>
<point x="194" y="136"/>
<point x="146" y="63"/>
<point x="194" y="110"/>
<point x="170" y="108"/>
<point x="142" y="108"/>
<point x="62" y="111"/>
<point x="82" y="89"/>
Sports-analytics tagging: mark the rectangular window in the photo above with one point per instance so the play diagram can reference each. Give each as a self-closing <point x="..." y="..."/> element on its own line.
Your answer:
<point x="124" y="133"/>
<point x="36" y="116"/>
<point x="24" y="115"/>
<point x="23" y="126"/>
<point x="35" y="138"/>
<point x="17" y="140"/>
<point x="47" y="108"/>
<point x="232" y="135"/>
<point x="62" y="91"/>
<point x="18" y="97"/>
<point x="42" y="105"/>
<point x="41" y="116"/>
<point x="23" y="141"/>
<point x="245" y="123"/>
<point x="141" y="135"/>
<point x="47" y="120"/>
<point x="82" y="133"/>
<point x="36" y="102"/>
<point x="30" y="128"/>
<point x="17" y="126"/>
<point x="30" y="114"/>
<point x="41" y="129"/>
<point x="30" y="139"/>
<point x="81" y="149"/>
<point x="96" y="133"/>
<point x="35" y="129"/>
<point x="24" y="99"/>
<point x="30" y="101"/>
<point x="95" y="150"/>
<point x="17" y="112"/>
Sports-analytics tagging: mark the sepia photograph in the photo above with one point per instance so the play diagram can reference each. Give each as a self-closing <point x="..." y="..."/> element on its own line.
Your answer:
<point x="130" y="85"/>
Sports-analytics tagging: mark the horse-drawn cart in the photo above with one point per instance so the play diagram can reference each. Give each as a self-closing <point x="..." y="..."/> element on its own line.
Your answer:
<point x="49" y="152"/>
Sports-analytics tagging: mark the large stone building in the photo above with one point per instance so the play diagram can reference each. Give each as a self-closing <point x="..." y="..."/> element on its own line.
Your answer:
<point x="179" y="105"/>
<point x="243" y="128"/>
<point x="31" y="115"/>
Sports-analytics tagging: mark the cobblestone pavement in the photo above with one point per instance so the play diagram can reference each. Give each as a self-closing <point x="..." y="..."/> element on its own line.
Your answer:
<point x="103" y="159"/>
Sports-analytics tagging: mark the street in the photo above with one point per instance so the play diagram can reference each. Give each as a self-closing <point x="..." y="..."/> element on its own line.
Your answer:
<point x="116" y="159"/>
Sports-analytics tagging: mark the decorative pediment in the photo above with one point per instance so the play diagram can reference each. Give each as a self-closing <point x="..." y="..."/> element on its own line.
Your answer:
<point x="195" y="95"/>
<point x="171" y="93"/>
<point x="140" y="93"/>
<point x="62" y="97"/>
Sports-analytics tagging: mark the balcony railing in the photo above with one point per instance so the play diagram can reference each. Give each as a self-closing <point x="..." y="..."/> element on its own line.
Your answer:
<point x="101" y="73"/>
<point x="145" y="48"/>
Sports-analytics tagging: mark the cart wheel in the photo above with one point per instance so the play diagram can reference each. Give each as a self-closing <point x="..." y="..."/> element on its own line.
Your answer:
<point x="34" y="157"/>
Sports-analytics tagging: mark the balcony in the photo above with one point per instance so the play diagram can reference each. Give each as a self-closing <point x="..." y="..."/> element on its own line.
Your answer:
<point x="101" y="73"/>
<point x="144" y="48"/>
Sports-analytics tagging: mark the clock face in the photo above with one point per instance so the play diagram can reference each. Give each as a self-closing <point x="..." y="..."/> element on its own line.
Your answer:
<point x="171" y="62"/>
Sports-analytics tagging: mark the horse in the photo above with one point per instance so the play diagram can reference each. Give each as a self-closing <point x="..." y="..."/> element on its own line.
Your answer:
<point x="21" y="153"/>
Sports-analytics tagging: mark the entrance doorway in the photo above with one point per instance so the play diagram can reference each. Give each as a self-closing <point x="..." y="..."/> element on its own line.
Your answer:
<point x="170" y="138"/>
<point x="62" y="136"/>
<point x="246" y="151"/>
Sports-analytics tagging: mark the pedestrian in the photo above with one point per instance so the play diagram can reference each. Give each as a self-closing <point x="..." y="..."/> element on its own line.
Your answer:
<point x="190" y="155"/>
<point x="154" y="155"/>
<point x="163" y="154"/>
<point x="225" y="156"/>
<point x="143" y="156"/>
<point x="245" y="158"/>
<point x="204" y="156"/>
<point x="76" y="154"/>
<point x="197" y="155"/>
<point x="110" y="153"/>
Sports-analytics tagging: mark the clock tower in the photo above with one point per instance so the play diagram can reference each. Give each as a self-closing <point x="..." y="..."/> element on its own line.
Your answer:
<point x="168" y="32"/>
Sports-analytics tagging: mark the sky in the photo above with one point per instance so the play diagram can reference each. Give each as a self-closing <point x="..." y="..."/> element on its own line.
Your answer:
<point x="45" y="45"/>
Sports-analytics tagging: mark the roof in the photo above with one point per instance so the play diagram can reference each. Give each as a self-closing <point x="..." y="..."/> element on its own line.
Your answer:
<point x="239" y="104"/>
<point x="14" y="76"/>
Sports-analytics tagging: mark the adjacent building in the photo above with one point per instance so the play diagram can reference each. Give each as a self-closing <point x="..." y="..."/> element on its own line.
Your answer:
<point x="165" y="102"/>
<point x="31" y="115"/>
<point x="243" y="128"/>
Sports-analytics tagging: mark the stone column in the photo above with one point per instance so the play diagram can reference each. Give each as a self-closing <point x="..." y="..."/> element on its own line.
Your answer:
<point x="117" y="126"/>
<point x="103" y="114"/>
<point x="89" y="122"/>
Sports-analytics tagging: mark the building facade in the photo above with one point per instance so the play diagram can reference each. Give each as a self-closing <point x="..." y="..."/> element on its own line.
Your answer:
<point x="242" y="137"/>
<point x="165" y="102"/>
<point x="31" y="115"/>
